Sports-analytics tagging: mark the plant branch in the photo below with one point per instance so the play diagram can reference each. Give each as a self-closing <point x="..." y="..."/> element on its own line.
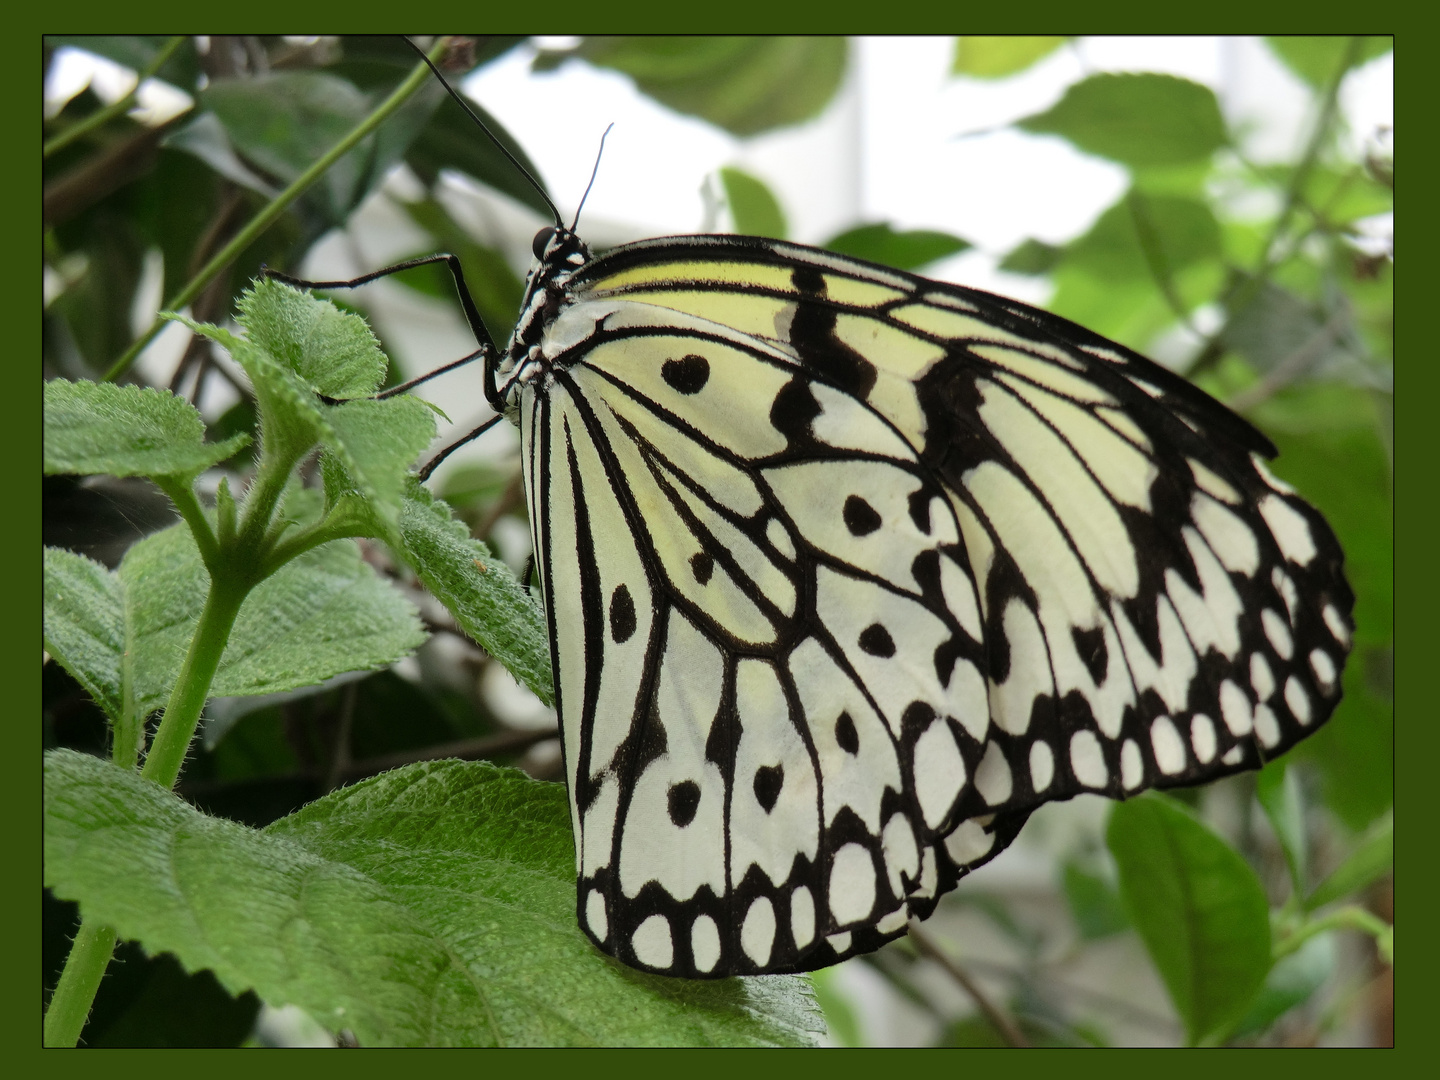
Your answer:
<point x="1003" y="1024"/>
<point x="1346" y="918"/>
<point x="183" y="496"/>
<point x="277" y="206"/>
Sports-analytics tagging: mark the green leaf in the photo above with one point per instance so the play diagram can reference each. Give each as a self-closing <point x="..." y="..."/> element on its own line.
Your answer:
<point x="1277" y="325"/>
<point x="430" y="906"/>
<point x="126" y="431"/>
<point x="1370" y="861"/>
<point x="1291" y="982"/>
<point x="746" y="85"/>
<point x="322" y="614"/>
<point x="1198" y="907"/>
<point x="493" y="285"/>
<point x="1279" y="796"/>
<point x="905" y="250"/>
<point x="1317" y="60"/>
<point x="1136" y="119"/>
<point x="378" y="442"/>
<point x="85" y="626"/>
<point x="753" y="205"/>
<point x="479" y="590"/>
<point x="996" y="57"/>
<point x="1145" y="236"/>
<point x="332" y="350"/>
<point x="1094" y="904"/>
<point x="283" y="121"/>
<point x="1033" y="257"/>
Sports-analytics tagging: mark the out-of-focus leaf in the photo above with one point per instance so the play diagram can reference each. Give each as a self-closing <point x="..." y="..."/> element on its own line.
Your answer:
<point x="450" y="140"/>
<point x="908" y="249"/>
<point x="753" y="205"/>
<point x="746" y="85"/>
<point x="137" y="52"/>
<point x="1279" y="795"/>
<point x="1137" y="119"/>
<point x="1094" y="904"/>
<point x="1032" y="257"/>
<point x="205" y="139"/>
<point x="1198" y="907"/>
<point x="995" y="57"/>
<point x="1369" y="862"/>
<point x="1317" y="60"/>
<point x="1140" y="231"/>
<point x="434" y="905"/>
<point x="1291" y="982"/>
<point x="493" y="286"/>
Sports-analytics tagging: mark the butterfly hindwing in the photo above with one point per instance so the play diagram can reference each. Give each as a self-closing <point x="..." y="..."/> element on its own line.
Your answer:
<point x="847" y="571"/>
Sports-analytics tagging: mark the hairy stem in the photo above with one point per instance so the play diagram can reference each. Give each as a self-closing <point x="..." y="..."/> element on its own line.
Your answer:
<point x="75" y="993"/>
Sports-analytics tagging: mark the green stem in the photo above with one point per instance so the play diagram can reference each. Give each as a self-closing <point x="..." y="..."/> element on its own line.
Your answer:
<point x="183" y="496"/>
<point x="187" y="700"/>
<point x="1351" y="918"/>
<point x="114" y="109"/>
<point x="84" y="968"/>
<point x="278" y="206"/>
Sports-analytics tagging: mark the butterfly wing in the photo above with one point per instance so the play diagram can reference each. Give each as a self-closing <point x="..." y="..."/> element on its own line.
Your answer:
<point x="847" y="571"/>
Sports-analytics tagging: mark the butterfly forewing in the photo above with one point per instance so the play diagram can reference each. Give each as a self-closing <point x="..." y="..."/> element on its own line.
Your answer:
<point x="847" y="571"/>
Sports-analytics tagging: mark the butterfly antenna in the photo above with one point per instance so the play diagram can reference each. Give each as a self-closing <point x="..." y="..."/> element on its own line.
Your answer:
<point x="593" y="173"/>
<point x="555" y="213"/>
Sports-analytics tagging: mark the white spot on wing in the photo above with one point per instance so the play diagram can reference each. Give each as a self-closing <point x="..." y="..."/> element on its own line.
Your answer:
<point x="938" y="771"/>
<point x="1042" y="766"/>
<point x="1323" y="667"/>
<point x="653" y="945"/>
<point x="802" y="917"/>
<point x="1277" y="633"/>
<point x="902" y="853"/>
<point x="1290" y="529"/>
<point x="1270" y="478"/>
<point x="1228" y="536"/>
<point x="1235" y="709"/>
<point x="969" y="843"/>
<point x="852" y="885"/>
<point x="595" y="916"/>
<point x="1286" y="587"/>
<point x="1166" y="743"/>
<point x="1132" y="765"/>
<point x="1087" y="761"/>
<point x="1266" y="726"/>
<point x="705" y="943"/>
<point x="1211" y="484"/>
<point x="1011" y="702"/>
<point x="967" y="699"/>
<point x="992" y="778"/>
<point x="1297" y="699"/>
<point x="1262" y="680"/>
<point x="757" y="932"/>
<point x="1202" y="737"/>
<point x="1335" y="622"/>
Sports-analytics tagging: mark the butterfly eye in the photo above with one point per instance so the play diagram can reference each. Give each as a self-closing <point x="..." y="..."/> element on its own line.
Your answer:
<point x="542" y="241"/>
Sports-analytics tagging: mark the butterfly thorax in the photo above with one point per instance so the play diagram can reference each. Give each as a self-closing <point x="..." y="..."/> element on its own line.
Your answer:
<point x="560" y="254"/>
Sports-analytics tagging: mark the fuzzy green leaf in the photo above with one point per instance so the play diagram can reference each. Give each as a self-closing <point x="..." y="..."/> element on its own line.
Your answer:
<point x="430" y="906"/>
<point x="332" y="350"/>
<point x="85" y="625"/>
<point x="126" y="431"/>
<point x="1136" y="119"/>
<point x="325" y="613"/>
<point x="479" y="590"/>
<point x="1199" y="908"/>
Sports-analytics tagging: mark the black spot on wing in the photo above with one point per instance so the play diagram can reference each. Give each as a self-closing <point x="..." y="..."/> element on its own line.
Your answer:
<point x="688" y="375"/>
<point x="622" y="615"/>
<point x="876" y="641"/>
<point x="812" y="333"/>
<point x="861" y="518"/>
<point x="769" y="779"/>
<point x="702" y="565"/>
<point x="1090" y="645"/>
<point x="684" y="800"/>
<point x="846" y="736"/>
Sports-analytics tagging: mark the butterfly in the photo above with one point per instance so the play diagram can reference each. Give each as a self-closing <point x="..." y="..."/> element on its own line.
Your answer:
<point x="846" y="571"/>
